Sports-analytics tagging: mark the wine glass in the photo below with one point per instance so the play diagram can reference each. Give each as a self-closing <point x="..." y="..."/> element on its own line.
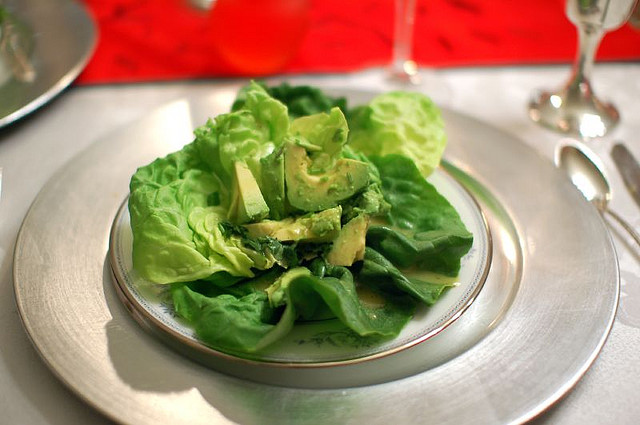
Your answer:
<point x="575" y="109"/>
<point x="403" y="68"/>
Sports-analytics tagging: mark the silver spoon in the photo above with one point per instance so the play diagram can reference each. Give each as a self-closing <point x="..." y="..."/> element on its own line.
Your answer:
<point x="585" y="171"/>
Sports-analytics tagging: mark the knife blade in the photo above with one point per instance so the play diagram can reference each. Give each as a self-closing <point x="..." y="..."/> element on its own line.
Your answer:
<point x="629" y="169"/>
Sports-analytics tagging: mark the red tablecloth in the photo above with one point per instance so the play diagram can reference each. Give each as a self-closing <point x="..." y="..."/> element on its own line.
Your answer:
<point x="144" y="40"/>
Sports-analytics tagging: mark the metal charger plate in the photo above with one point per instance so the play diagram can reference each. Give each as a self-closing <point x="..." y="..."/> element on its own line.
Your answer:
<point x="539" y="322"/>
<point x="63" y="36"/>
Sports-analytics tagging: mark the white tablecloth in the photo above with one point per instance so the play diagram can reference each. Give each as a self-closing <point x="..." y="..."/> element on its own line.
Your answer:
<point x="32" y="150"/>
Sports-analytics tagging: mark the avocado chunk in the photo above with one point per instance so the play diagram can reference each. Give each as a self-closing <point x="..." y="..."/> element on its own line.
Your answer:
<point x="247" y="203"/>
<point x="323" y="226"/>
<point x="349" y="246"/>
<point x="272" y="173"/>
<point x="324" y="136"/>
<point x="317" y="192"/>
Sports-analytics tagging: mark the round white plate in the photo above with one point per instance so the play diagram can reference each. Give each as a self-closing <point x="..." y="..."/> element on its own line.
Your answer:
<point x="313" y="344"/>
<point x="63" y="37"/>
<point x="539" y="322"/>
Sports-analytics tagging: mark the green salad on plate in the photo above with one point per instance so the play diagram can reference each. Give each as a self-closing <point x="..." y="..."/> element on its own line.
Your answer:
<point x="293" y="207"/>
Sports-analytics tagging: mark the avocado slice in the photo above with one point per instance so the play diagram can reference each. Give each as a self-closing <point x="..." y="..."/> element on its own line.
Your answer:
<point x="349" y="246"/>
<point x="272" y="173"/>
<point x="323" y="226"/>
<point x="247" y="203"/>
<point x="317" y="192"/>
<point x="324" y="136"/>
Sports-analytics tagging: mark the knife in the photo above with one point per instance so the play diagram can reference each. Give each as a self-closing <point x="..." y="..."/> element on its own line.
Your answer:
<point x="629" y="169"/>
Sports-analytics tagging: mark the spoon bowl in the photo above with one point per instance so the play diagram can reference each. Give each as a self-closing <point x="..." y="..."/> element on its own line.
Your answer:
<point x="585" y="170"/>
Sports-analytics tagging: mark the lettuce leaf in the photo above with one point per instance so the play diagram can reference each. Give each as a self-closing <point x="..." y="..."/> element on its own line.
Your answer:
<point x="432" y="236"/>
<point x="162" y="195"/>
<point x="250" y="319"/>
<point x="300" y="100"/>
<point x="381" y="275"/>
<point x="246" y="134"/>
<point x="406" y="123"/>
<point x="177" y="202"/>
<point x="225" y="321"/>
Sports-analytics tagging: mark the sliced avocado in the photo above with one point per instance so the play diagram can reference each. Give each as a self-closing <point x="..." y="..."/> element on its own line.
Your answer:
<point x="247" y="203"/>
<point x="349" y="246"/>
<point x="324" y="136"/>
<point x="317" y="192"/>
<point x="277" y="290"/>
<point x="323" y="226"/>
<point x="273" y="183"/>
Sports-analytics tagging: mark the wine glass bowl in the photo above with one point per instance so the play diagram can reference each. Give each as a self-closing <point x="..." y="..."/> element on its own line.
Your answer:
<point x="574" y="108"/>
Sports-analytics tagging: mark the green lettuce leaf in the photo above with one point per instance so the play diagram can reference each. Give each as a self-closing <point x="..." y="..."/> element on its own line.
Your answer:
<point x="406" y="123"/>
<point x="162" y="195"/>
<point x="177" y="202"/>
<point x="371" y="200"/>
<point x="227" y="322"/>
<point x="249" y="319"/>
<point x="300" y="100"/>
<point x="381" y="275"/>
<point x="432" y="236"/>
<point x="246" y="135"/>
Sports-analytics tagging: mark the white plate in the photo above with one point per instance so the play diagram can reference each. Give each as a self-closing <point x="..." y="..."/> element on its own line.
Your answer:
<point x="317" y="343"/>
<point x="539" y="322"/>
<point x="63" y="36"/>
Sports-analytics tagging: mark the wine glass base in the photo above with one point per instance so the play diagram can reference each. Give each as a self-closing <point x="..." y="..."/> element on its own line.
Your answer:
<point x="405" y="72"/>
<point x="424" y="80"/>
<point x="583" y="116"/>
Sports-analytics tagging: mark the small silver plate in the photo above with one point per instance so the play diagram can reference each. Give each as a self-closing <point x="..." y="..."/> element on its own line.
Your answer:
<point x="62" y="36"/>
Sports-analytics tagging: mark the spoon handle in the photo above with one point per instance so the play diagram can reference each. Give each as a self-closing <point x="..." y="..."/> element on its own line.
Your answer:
<point x="626" y="226"/>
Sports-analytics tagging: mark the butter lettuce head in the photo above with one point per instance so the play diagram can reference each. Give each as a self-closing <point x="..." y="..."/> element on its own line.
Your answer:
<point x="176" y="203"/>
<point x="243" y="293"/>
<point x="406" y="123"/>
<point x="174" y="224"/>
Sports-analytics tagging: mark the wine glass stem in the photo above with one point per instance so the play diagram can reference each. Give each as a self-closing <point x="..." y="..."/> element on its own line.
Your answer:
<point x="403" y="35"/>
<point x="589" y="37"/>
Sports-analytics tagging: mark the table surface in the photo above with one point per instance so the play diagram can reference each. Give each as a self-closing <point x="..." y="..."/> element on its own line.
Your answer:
<point x="33" y="149"/>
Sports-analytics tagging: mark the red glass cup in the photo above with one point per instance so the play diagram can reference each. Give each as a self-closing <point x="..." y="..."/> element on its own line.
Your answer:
<point x="258" y="37"/>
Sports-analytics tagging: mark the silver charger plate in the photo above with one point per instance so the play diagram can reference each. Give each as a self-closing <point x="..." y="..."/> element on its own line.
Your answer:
<point x="541" y="319"/>
<point x="63" y="37"/>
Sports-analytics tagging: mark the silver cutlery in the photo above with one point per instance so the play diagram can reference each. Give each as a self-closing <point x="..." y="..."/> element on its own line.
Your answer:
<point x="629" y="169"/>
<point x="585" y="172"/>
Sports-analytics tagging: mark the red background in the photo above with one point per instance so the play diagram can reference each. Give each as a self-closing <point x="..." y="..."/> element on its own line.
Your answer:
<point x="143" y="40"/>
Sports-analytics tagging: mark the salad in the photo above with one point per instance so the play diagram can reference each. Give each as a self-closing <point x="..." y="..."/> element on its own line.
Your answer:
<point x="293" y="207"/>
